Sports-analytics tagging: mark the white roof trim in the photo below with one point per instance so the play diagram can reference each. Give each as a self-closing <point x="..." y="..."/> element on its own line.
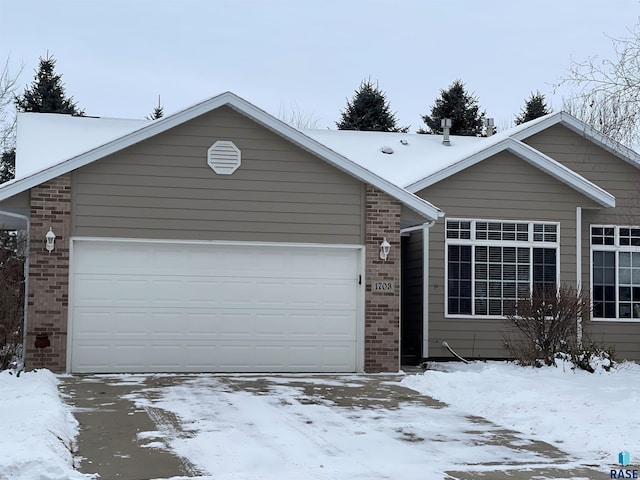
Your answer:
<point x="530" y="155"/>
<point x="417" y="204"/>
<point x="536" y="126"/>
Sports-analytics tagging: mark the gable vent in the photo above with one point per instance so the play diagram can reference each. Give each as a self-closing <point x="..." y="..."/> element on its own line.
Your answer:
<point x="223" y="157"/>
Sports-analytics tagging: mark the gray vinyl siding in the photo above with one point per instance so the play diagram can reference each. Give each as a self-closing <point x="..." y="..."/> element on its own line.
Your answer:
<point x="19" y="203"/>
<point x="410" y="218"/>
<point x="502" y="187"/>
<point x="162" y="188"/>
<point x="623" y="181"/>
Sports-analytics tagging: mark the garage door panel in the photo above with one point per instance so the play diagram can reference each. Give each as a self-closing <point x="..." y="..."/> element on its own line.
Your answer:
<point x="237" y="357"/>
<point x="132" y="323"/>
<point x="158" y="259"/>
<point x="144" y="307"/>
<point x="210" y="293"/>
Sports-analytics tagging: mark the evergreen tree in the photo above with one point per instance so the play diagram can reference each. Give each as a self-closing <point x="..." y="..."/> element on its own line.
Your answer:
<point x="157" y="113"/>
<point x="462" y="108"/>
<point x="369" y="110"/>
<point x="46" y="93"/>
<point x="8" y="165"/>
<point x="535" y="107"/>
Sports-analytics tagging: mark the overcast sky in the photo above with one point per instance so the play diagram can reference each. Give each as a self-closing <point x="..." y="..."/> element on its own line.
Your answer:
<point x="117" y="56"/>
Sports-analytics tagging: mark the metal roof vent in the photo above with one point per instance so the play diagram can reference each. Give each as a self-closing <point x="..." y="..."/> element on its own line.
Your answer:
<point x="404" y="142"/>
<point x="223" y="157"/>
<point x="445" y="124"/>
<point x="489" y="123"/>
<point x="387" y="150"/>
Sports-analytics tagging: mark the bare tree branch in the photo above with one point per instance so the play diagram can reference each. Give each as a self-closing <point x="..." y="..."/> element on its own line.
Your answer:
<point x="606" y="93"/>
<point x="296" y="117"/>
<point x="8" y="87"/>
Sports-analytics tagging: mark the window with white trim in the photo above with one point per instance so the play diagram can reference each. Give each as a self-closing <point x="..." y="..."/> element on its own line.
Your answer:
<point x="615" y="267"/>
<point x="490" y="265"/>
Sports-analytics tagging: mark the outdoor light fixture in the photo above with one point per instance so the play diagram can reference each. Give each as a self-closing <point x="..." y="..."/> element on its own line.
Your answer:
<point x="384" y="249"/>
<point x="51" y="240"/>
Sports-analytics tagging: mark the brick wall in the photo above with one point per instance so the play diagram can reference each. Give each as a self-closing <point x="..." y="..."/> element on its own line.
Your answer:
<point x="382" y="307"/>
<point x="49" y="278"/>
<point x="49" y="274"/>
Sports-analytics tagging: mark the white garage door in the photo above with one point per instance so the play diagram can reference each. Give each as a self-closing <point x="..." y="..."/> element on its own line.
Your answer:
<point x="160" y="307"/>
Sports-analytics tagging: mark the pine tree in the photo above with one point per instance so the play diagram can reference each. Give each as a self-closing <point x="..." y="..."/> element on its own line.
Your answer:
<point x="462" y="108"/>
<point x="8" y="165"/>
<point x="369" y="110"/>
<point x="157" y="113"/>
<point x="535" y="107"/>
<point x="46" y="93"/>
<point x="8" y="86"/>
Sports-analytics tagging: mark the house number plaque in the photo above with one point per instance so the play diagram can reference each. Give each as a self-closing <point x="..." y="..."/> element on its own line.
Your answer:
<point x="383" y="286"/>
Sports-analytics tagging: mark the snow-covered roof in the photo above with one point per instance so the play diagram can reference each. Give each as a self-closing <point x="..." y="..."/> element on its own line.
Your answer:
<point x="96" y="147"/>
<point x="414" y="156"/>
<point x="60" y="137"/>
<point x="416" y="161"/>
<point x="400" y="164"/>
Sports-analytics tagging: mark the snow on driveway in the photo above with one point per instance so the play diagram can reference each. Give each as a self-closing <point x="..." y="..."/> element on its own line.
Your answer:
<point x="287" y="427"/>
<point x="346" y="426"/>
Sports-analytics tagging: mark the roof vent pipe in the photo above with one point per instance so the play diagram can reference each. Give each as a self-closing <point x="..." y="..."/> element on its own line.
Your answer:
<point x="445" y="123"/>
<point x="489" y="123"/>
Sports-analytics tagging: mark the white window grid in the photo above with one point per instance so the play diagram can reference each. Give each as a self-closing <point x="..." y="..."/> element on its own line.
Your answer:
<point x="539" y="234"/>
<point x="618" y="239"/>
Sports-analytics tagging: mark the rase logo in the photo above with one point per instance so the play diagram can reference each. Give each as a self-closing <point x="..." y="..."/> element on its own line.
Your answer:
<point x="624" y="459"/>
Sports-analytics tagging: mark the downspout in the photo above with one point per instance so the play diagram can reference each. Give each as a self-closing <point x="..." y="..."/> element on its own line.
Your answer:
<point x="579" y="268"/>
<point x="26" y="282"/>
<point x="425" y="281"/>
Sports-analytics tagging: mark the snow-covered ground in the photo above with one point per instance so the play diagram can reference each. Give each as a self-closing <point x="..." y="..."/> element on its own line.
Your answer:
<point x="37" y="430"/>
<point x="233" y="430"/>
<point x="590" y="416"/>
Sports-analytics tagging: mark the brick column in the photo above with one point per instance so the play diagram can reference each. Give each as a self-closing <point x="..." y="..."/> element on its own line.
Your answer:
<point x="382" y="306"/>
<point x="49" y="274"/>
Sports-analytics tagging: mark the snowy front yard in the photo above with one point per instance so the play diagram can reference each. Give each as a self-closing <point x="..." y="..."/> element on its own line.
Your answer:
<point x="285" y="427"/>
<point x="37" y="430"/>
<point x="590" y="416"/>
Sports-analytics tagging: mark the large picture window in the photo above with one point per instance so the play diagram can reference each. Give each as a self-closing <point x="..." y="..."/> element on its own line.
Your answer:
<point x="493" y="264"/>
<point x="615" y="258"/>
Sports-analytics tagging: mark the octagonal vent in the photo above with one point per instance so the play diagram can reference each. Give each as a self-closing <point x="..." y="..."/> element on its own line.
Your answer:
<point x="223" y="157"/>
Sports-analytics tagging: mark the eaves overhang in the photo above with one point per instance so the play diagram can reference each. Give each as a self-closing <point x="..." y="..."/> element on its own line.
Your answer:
<point x="415" y="203"/>
<point x="533" y="157"/>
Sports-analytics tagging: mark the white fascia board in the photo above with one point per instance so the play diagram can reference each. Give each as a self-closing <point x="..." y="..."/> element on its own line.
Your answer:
<point x="562" y="173"/>
<point x="412" y="201"/>
<point x="457" y="166"/>
<point x="114" y="146"/>
<point x="530" y="155"/>
<point x="417" y="204"/>
<point x="581" y="128"/>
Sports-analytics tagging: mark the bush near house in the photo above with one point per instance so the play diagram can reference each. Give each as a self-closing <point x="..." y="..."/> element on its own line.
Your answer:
<point x="544" y="328"/>
<point x="11" y="297"/>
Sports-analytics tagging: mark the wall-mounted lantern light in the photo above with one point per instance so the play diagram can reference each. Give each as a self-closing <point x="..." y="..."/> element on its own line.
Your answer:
<point x="51" y="240"/>
<point x="384" y="249"/>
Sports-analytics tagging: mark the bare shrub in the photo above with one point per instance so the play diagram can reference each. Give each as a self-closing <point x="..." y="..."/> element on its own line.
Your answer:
<point x="11" y="297"/>
<point x="545" y="325"/>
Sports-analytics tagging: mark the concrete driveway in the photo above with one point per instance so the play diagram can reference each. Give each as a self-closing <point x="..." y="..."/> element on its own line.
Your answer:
<point x="366" y="426"/>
